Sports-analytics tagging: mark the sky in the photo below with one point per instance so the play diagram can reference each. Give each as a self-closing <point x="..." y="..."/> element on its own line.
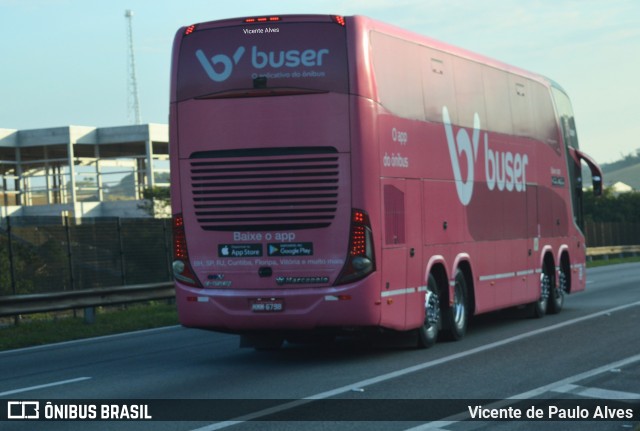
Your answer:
<point x="64" y="62"/>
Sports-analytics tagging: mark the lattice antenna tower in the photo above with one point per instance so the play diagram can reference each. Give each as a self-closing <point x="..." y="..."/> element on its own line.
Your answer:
<point x="133" y="102"/>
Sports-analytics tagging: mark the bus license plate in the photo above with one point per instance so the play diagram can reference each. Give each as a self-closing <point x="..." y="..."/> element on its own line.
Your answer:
<point x="272" y="305"/>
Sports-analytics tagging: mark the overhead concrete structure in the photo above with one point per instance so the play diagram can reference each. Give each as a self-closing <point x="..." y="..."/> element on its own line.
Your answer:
<point x="83" y="171"/>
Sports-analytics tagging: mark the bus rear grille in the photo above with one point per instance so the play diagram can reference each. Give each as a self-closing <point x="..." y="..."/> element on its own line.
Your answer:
<point x="265" y="189"/>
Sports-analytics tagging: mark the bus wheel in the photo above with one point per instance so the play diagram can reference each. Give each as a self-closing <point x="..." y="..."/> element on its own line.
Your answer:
<point x="540" y="306"/>
<point x="455" y="318"/>
<point x="428" y="332"/>
<point x="557" y="293"/>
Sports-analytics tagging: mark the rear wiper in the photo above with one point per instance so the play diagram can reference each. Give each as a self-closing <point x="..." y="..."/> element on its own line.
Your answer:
<point x="260" y="92"/>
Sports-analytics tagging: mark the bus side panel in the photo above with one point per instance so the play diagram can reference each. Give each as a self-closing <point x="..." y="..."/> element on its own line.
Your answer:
<point x="176" y="205"/>
<point x="402" y="253"/>
<point x="416" y="264"/>
<point x="394" y="294"/>
<point x="365" y="181"/>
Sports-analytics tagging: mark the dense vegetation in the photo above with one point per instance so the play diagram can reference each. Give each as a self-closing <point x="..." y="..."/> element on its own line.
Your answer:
<point x="623" y="208"/>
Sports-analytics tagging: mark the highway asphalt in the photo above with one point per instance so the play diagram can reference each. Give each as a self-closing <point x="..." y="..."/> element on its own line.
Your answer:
<point x="507" y="363"/>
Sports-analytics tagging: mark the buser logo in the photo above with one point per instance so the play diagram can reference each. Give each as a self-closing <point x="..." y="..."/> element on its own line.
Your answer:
<point x="462" y="144"/>
<point x="220" y="67"/>
<point x="291" y="58"/>
<point x="503" y="170"/>
<point x="219" y="61"/>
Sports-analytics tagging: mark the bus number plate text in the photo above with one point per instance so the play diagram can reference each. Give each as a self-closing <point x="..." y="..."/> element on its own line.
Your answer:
<point x="270" y="305"/>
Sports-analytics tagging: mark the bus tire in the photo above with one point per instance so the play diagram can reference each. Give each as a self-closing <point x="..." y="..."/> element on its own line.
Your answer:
<point x="558" y="291"/>
<point x="539" y="308"/>
<point x="428" y="332"/>
<point x="455" y="319"/>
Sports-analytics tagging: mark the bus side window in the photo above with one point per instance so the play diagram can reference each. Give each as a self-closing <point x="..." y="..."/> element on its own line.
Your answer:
<point x="438" y="85"/>
<point x="520" y="98"/>
<point x="397" y="70"/>
<point x="496" y="93"/>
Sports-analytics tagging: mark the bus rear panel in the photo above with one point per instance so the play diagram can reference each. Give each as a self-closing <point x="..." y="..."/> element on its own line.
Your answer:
<point x="261" y="186"/>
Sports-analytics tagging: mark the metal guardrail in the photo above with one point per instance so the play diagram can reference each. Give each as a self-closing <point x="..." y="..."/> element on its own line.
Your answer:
<point x="613" y="250"/>
<point x="39" y="303"/>
<point x="43" y="302"/>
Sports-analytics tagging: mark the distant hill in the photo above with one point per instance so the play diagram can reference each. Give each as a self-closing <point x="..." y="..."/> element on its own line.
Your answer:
<point x="627" y="161"/>
<point x="629" y="175"/>
<point x="625" y="170"/>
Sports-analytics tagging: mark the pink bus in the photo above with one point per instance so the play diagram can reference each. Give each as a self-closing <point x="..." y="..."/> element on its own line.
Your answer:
<point x="333" y="174"/>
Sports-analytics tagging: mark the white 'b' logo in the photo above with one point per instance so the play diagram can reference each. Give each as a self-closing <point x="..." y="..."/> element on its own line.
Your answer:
<point x="217" y="61"/>
<point x="458" y="145"/>
<point x="504" y="170"/>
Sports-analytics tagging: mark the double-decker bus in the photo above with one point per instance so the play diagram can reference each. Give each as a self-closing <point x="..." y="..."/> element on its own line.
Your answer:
<point x="336" y="173"/>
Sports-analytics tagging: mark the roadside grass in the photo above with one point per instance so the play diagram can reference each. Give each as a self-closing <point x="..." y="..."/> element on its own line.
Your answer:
<point x="612" y="261"/>
<point x="47" y="328"/>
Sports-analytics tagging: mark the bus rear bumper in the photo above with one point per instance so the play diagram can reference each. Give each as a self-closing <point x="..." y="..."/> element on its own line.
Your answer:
<point x="242" y="310"/>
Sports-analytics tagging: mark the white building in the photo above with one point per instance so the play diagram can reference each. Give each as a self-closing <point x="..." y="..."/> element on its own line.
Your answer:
<point x="81" y="171"/>
<point x="620" y="187"/>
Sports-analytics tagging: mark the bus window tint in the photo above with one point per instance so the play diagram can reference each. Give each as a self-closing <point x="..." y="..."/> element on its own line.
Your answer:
<point x="308" y="56"/>
<point x="397" y="68"/>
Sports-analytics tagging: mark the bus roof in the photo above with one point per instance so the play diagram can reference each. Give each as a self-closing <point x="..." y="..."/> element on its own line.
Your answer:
<point x="366" y="25"/>
<point x="257" y="20"/>
<point x="420" y="39"/>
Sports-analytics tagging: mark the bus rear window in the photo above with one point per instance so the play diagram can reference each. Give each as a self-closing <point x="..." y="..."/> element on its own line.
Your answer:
<point x="311" y="57"/>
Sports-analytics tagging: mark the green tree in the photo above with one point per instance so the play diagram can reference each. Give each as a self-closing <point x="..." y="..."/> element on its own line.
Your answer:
<point x="624" y="208"/>
<point x="157" y="201"/>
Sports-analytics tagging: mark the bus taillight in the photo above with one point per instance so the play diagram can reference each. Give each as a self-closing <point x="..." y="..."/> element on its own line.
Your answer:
<point x="181" y="267"/>
<point x="338" y="19"/>
<point x="262" y="19"/>
<point x="360" y="258"/>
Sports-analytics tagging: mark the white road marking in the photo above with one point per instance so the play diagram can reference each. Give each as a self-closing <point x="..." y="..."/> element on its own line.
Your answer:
<point x="46" y="385"/>
<point x="559" y="386"/>
<point x="435" y="362"/>
<point x="598" y="393"/>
